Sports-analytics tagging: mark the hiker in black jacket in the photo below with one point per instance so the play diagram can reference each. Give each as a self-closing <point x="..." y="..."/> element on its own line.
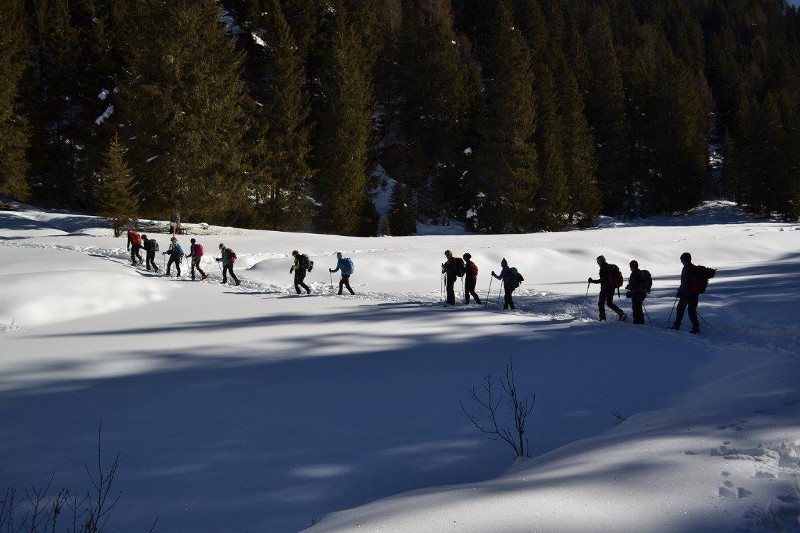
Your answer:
<point x="227" y="258"/>
<point x="300" y="267"/>
<point x="150" y="250"/>
<point x="688" y="298"/>
<point x="637" y="292"/>
<point x="470" y="279"/>
<point x="450" y="268"/>
<point x="196" y="253"/>
<point x="606" y="289"/>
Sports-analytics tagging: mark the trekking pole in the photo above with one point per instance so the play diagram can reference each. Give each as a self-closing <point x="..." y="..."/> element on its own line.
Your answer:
<point x="585" y="300"/>
<point x="649" y="320"/>
<point x="441" y="287"/>
<point x="489" y="292"/>
<point x="673" y="309"/>
<point x="703" y="319"/>
<point x="331" y="276"/>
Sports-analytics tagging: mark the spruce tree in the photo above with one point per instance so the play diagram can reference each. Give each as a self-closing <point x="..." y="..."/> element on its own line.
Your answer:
<point x="507" y="166"/>
<point x="185" y="104"/>
<point x="604" y="97"/>
<point x="438" y="89"/>
<point x="282" y="147"/>
<point x="344" y="133"/>
<point x="550" y="204"/>
<point x="580" y="164"/>
<point x="14" y="132"/>
<point x="402" y="213"/>
<point x="117" y="200"/>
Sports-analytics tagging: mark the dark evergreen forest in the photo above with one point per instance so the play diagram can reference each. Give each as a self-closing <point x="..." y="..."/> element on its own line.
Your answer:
<point x="507" y="115"/>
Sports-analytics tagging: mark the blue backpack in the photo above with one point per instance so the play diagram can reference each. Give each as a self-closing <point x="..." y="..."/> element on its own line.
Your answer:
<point x="347" y="266"/>
<point x="178" y="250"/>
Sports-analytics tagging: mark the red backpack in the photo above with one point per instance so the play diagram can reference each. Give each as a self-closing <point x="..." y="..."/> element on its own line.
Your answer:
<point x="231" y="255"/>
<point x="198" y="250"/>
<point x="474" y="268"/>
<point x="700" y="277"/>
<point x="615" y="279"/>
<point x="135" y="237"/>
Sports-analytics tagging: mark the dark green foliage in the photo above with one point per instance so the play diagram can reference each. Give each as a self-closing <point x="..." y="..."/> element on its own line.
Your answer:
<point x="14" y="131"/>
<point x="507" y="165"/>
<point x="117" y="200"/>
<point x="279" y="144"/>
<point x="402" y="213"/>
<point x="184" y="107"/>
<point x="572" y="109"/>
<point x="345" y="126"/>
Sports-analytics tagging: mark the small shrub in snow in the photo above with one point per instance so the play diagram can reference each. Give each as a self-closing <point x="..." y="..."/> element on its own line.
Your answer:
<point x="519" y="406"/>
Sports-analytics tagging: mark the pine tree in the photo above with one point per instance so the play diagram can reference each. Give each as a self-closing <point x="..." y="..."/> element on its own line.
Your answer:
<point x="117" y="201"/>
<point x="580" y="165"/>
<point x="344" y="133"/>
<point x="605" y="108"/>
<point x="507" y="160"/>
<point x="438" y="89"/>
<point x="402" y="213"/>
<point x="550" y="205"/>
<point x="14" y="132"/>
<point x="185" y="103"/>
<point x="281" y="149"/>
<point x="55" y="143"/>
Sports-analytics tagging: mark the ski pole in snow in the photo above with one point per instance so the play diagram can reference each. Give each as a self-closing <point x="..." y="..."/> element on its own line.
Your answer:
<point x="331" y="276"/>
<point x="673" y="309"/>
<point x="648" y="314"/>
<point x="585" y="300"/>
<point x="489" y="292"/>
<point x="703" y="319"/>
<point x="441" y="287"/>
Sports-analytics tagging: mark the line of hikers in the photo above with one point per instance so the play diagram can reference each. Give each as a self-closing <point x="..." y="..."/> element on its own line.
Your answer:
<point x="694" y="281"/>
<point x="694" y="278"/>
<point x="227" y="259"/>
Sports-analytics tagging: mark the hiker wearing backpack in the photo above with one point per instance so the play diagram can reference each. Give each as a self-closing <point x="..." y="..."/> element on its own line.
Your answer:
<point x="175" y="253"/>
<point x="470" y="279"/>
<point x="694" y="280"/>
<point x="302" y="264"/>
<point x="196" y="253"/>
<point x="345" y="264"/>
<point x="639" y="284"/>
<point x="228" y="258"/>
<point x="610" y="279"/>
<point x="453" y="269"/>
<point x="150" y="249"/>
<point x="511" y="280"/>
<point x="134" y="245"/>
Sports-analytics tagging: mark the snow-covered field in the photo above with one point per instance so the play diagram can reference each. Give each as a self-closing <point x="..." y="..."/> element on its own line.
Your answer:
<point x="253" y="409"/>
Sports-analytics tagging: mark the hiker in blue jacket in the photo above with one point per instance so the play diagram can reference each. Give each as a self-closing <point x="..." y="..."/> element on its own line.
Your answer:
<point x="345" y="264"/>
<point x="175" y="253"/>
<point x="508" y="284"/>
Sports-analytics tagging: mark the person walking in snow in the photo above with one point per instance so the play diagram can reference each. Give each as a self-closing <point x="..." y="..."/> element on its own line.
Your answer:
<point x="175" y="253"/>
<point x="301" y="266"/>
<point x="227" y="258"/>
<point x="509" y="283"/>
<point x="470" y="279"/>
<point x="345" y="264"/>
<point x="196" y="253"/>
<point x="610" y="279"/>
<point x="134" y="246"/>
<point x="175" y="222"/>
<point x="450" y="268"/>
<point x="150" y="249"/>
<point x="688" y="293"/>
<point x="637" y="288"/>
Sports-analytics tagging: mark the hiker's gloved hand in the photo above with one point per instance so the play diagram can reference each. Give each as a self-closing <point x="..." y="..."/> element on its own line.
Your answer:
<point x="330" y="270"/>
<point x="591" y="280"/>
<point x="628" y="294"/>
<point x="291" y="270"/>
<point x="218" y="259"/>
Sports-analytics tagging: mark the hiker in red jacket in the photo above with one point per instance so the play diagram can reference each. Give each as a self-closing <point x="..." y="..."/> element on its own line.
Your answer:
<point x="196" y="253"/>
<point x="135" y="245"/>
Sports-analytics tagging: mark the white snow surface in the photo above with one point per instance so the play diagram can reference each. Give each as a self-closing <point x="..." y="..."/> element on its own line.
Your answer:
<point x="252" y="409"/>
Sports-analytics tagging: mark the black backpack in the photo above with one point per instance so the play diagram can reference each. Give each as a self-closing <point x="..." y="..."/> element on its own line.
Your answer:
<point x="305" y="263"/>
<point x="647" y="280"/>
<point x="461" y="268"/>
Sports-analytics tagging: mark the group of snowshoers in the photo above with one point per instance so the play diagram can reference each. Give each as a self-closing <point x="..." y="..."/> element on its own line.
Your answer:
<point x="175" y="253"/>
<point x="694" y="278"/>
